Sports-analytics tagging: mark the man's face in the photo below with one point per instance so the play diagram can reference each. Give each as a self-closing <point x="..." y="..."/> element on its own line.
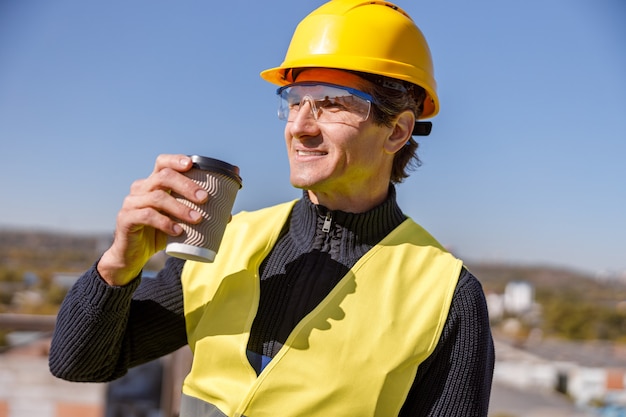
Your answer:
<point x="343" y="165"/>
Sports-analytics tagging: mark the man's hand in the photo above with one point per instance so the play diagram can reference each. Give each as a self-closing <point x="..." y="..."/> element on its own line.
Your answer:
<point x="147" y="218"/>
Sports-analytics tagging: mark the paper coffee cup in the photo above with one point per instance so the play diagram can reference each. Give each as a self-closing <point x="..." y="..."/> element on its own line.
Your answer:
<point x="200" y="242"/>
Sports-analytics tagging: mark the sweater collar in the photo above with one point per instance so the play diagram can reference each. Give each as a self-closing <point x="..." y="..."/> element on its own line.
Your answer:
<point x="366" y="228"/>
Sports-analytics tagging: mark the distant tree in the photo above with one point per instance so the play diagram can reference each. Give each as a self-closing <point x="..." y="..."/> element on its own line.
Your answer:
<point x="570" y="315"/>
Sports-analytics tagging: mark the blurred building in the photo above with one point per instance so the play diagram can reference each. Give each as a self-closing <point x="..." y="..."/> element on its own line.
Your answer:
<point x="28" y="389"/>
<point x="591" y="374"/>
<point x="519" y="297"/>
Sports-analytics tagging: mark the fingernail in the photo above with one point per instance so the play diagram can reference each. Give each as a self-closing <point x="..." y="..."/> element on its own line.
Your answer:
<point x="177" y="229"/>
<point x="201" y="195"/>
<point x="195" y="216"/>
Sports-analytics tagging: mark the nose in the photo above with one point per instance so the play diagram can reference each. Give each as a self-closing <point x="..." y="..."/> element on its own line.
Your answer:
<point x="303" y="122"/>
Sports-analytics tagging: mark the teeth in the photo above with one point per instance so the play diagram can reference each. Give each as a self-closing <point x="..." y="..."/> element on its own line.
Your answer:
<point x="309" y="153"/>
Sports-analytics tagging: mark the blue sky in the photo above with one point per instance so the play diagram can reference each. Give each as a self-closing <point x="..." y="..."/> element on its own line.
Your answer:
<point x="525" y="163"/>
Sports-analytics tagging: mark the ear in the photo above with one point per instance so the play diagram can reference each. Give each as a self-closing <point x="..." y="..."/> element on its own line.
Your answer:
<point x="401" y="133"/>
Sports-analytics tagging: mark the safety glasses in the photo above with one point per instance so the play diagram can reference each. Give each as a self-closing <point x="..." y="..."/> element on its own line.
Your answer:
<point x="329" y="103"/>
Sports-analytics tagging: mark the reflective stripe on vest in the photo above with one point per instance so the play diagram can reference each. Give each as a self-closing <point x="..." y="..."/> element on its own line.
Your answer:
<point x="355" y="354"/>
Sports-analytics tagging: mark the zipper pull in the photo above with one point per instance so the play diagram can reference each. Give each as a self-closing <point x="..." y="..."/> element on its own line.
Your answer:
<point x="327" y="221"/>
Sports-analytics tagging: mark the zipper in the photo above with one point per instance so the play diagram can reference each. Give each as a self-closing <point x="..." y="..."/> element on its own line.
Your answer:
<point x="327" y="222"/>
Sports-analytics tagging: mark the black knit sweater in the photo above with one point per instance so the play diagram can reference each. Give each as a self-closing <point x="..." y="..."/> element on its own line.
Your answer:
<point x="102" y="331"/>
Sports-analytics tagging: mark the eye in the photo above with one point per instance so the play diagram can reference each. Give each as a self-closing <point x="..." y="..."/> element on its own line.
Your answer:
<point x="331" y="103"/>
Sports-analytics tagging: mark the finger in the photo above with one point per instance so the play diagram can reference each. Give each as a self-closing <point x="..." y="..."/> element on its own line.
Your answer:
<point x="177" y="162"/>
<point x="177" y="183"/>
<point x="133" y="221"/>
<point x="170" y="181"/>
<point x="163" y="203"/>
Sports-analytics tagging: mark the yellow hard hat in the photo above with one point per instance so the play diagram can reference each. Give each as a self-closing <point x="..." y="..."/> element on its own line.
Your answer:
<point x="375" y="37"/>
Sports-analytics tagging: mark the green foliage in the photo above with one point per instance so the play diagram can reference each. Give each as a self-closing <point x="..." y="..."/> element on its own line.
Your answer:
<point x="10" y="274"/>
<point x="576" y="318"/>
<point x="39" y="256"/>
<point x="573" y="306"/>
<point x="55" y="295"/>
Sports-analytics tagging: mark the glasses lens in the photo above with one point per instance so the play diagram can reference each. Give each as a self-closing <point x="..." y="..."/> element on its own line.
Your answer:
<point x="328" y="103"/>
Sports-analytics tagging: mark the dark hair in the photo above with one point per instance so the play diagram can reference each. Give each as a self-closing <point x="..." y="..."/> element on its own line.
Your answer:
<point x="393" y="97"/>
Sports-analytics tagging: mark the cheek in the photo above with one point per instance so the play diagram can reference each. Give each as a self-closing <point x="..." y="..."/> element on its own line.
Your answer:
<point x="286" y="135"/>
<point x="364" y="148"/>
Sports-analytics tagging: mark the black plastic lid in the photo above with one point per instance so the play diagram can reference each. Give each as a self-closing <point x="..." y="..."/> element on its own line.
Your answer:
<point x="211" y="164"/>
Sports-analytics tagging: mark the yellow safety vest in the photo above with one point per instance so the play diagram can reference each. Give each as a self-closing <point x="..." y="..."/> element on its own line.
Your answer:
<point x="355" y="354"/>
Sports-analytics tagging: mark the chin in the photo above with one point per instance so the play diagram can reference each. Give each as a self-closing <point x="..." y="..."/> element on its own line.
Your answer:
<point x="303" y="181"/>
<point x="301" y="185"/>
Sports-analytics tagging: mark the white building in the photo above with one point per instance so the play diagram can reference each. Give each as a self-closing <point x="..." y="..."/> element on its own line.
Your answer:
<point x="519" y="297"/>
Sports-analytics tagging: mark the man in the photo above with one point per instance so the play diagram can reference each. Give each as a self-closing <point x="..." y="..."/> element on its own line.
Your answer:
<point x="333" y="305"/>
